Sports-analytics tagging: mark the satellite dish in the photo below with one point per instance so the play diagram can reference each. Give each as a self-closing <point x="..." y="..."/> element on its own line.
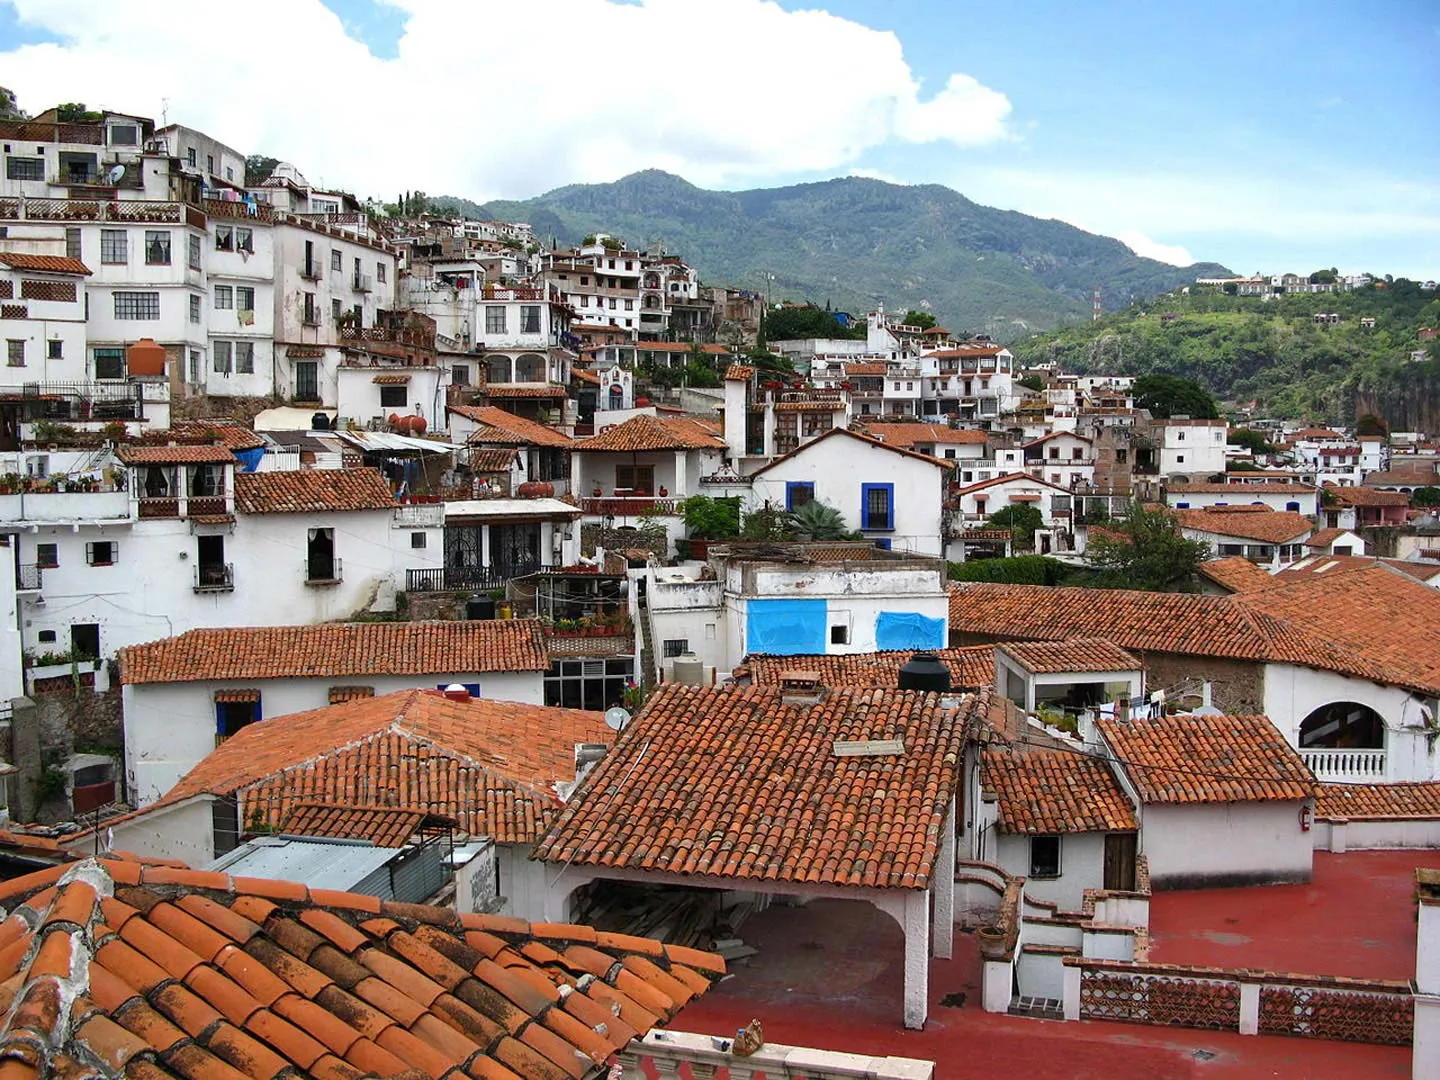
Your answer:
<point x="115" y="174"/>
<point x="616" y="718"/>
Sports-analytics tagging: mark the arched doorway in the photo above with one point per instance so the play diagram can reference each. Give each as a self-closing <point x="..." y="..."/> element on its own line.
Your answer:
<point x="497" y="369"/>
<point x="1343" y="725"/>
<point x="530" y="368"/>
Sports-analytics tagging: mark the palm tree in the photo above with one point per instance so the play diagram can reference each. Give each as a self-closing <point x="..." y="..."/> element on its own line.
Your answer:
<point x="820" y="521"/>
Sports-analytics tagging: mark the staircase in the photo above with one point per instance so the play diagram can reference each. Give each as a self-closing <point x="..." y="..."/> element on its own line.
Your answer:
<point x="646" y="675"/>
<point x="1037" y="1008"/>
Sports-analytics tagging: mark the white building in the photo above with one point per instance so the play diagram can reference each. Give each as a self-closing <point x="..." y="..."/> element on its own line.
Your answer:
<point x="1296" y="498"/>
<point x="43" y="300"/>
<point x="184" y="696"/>
<point x="1061" y="457"/>
<point x="1189" y="449"/>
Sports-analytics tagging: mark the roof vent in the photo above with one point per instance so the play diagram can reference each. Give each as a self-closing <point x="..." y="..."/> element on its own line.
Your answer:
<point x="456" y="692"/>
<point x="801" y="688"/>
<point x="924" y="671"/>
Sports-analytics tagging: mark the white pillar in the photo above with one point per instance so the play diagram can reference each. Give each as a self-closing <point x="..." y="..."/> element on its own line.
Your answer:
<point x="1070" y="994"/>
<point x="997" y="985"/>
<point x="917" y="958"/>
<point x="678" y="489"/>
<point x="1249" y="1008"/>
<point x="1425" y="1050"/>
<point x="942" y="884"/>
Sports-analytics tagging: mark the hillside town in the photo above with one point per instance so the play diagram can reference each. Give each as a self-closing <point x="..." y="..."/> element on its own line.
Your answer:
<point x="431" y="650"/>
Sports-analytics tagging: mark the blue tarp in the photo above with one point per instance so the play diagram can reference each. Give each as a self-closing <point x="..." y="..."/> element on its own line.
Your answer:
<point x="785" y="627"/>
<point x="908" y="630"/>
<point x="249" y="459"/>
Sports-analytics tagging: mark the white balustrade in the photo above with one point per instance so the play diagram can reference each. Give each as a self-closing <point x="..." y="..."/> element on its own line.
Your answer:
<point x="1345" y="766"/>
<point x="707" y="1054"/>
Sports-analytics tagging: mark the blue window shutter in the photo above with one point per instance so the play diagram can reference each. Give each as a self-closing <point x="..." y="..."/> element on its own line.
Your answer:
<point x="869" y="521"/>
<point x="255" y="710"/>
<point x="219" y="719"/>
<point x="793" y="486"/>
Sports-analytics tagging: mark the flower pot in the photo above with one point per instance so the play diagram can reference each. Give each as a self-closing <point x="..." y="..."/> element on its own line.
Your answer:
<point x="994" y="942"/>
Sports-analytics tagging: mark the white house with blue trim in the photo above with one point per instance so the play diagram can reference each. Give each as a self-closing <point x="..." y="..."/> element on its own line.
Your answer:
<point x="893" y="496"/>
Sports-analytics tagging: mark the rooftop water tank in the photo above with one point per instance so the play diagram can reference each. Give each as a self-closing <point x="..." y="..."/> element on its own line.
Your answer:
<point x="689" y="670"/>
<point x="924" y="671"/>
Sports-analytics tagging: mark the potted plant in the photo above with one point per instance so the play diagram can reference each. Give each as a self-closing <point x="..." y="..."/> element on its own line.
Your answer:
<point x="994" y="942"/>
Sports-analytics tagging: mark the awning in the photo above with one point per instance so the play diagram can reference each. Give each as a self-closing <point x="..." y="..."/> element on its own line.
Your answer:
<point x="236" y="697"/>
<point x="391" y="379"/>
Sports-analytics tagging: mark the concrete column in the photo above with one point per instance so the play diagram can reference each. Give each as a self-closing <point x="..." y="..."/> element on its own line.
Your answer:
<point x="997" y="985"/>
<point x="485" y="545"/>
<point x="1425" y="1051"/>
<point x="917" y="958"/>
<point x="1070" y="992"/>
<point x="678" y="489"/>
<point x="942" y="884"/>
<point x="1338" y="838"/>
<point x="1249" y="1008"/>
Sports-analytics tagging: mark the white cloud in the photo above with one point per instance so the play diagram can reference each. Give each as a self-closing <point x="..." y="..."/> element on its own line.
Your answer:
<point x="1144" y="246"/>
<point x="491" y="99"/>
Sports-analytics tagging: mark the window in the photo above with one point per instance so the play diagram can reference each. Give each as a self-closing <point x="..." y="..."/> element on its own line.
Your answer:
<point x="192" y="243"/>
<point x="231" y="715"/>
<point x="195" y="307"/>
<point x="206" y="480"/>
<point x="47" y="637"/>
<point x="101" y="552"/>
<point x="337" y="260"/>
<point x="674" y="647"/>
<point x="1077" y="453"/>
<point x="629" y="305"/>
<point x="320" y="562"/>
<point x="1054" y="453"/>
<point x="157" y="247"/>
<point x="221" y="354"/>
<point x="335" y="310"/>
<point x="244" y="358"/>
<point x="1179" y="436"/>
<point x="47" y="556"/>
<point x="877" y="506"/>
<point x="245" y="240"/>
<point x="124" y="135"/>
<point x="114" y="246"/>
<point x="417" y="540"/>
<point x="590" y="683"/>
<point x="195" y="365"/>
<point x="635" y="477"/>
<point x="85" y="641"/>
<point x="1179" y="458"/>
<point x="224" y="297"/>
<point x="380" y="272"/>
<point x="460" y="375"/>
<point x="210" y="163"/>
<point x="1295" y="506"/>
<point x="72" y="243"/>
<point x="530" y="319"/>
<point x="307" y="380"/>
<point x="798" y="493"/>
<point x="109" y="363"/>
<point x="224" y="238"/>
<point x="840" y="635"/>
<point x="137" y="305"/>
<point x="54" y="349"/>
<point x="1122" y="456"/>
<point x="244" y="298"/>
<point x="190" y="157"/>
<point x="15" y="352"/>
<point x="494" y="320"/>
<point x="23" y="168"/>
<point x="1044" y="856"/>
<point x="394" y="397"/>
<point x="229" y="174"/>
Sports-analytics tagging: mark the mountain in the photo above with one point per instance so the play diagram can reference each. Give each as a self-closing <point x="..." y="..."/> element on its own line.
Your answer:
<point x="1272" y="352"/>
<point x="856" y="242"/>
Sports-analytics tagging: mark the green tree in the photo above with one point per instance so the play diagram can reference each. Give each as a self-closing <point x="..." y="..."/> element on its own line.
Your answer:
<point x="1018" y="570"/>
<point x="1325" y="277"/>
<point x="75" y="112"/>
<point x="1426" y="496"/>
<point x="1145" y="550"/>
<point x="1370" y="424"/>
<point x="1170" y="395"/>
<point x="808" y="321"/>
<point x="1033" y="382"/>
<point x="710" y="519"/>
<point x="923" y="319"/>
<point x="768" y="522"/>
<point x="1021" y="519"/>
<point x="1252" y="440"/>
<point x="820" y="521"/>
<point x="258" y="169"/>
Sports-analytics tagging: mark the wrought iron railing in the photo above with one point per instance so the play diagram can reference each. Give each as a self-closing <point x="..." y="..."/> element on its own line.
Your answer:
<point x="215" y="577"/>
<point x="28" y="576"/>
<point x="323" y="571"/>
<point x="474" y="578"/>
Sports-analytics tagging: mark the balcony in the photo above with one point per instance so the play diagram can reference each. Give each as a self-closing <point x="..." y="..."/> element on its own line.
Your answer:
<point x="28" y="577"/>
<point x="323" y="572"/>
<point x="627" y="506"/>
<point x="156" y="508"/>
<point x="1358" y="766"/>
<point x="362" y="283"/>
<point x="474" y="578"/>
<point x="215" y="577"/>
<point x="313" y="270"/>
<point x="118" y="399"/>
<point x="310" y="317"/>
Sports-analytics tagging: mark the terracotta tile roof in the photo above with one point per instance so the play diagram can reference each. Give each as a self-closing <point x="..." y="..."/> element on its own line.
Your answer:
<point x="737" y="784"/>
<point x="350" y="693"/>
<point x="174" y="455"/>
<point x="1054" y="791"/>
<point x="1325" y="537"/>
<point x="653" y="433"/>
<point x="1188" y="623"/>
<point x="391" y="378"/>
<point x="49" y="264"/>
<point x="490" y="765"/>
<point x="1207" y="759"/>
<point x="312" y="491"/>
<point x="1268" y="526"/>
<point x="1241" y="489"/>
<point x="860" y="437"/>
<point x="234" y="436"/>
<point x="585" y="376"/>
<point x="971" y="667"/>
<point x="1366" y="496"/>
<point x="1315" y="565"/>
<point x="1010" y="478"/>
<point x="492" y="459"/>
<point x="1236" y="573"/>
<point x="500" y="426"/>
<point x="908" y="435"/>
<point x="383" y="826"/>
<point x="553" y="391"/>
<point x="1408" y="477"/>
<point x="739" y="372"/>
<point x="988" y="349"/>
<point x="116" y="970"/>
<point x="1073" y="654"/>
<point x="867" y="368"/>
<point x="1419" y="799"/>
<point x="1379" y="617"/>
<point x="338" y="650"/>
<point x="825" y="405"/>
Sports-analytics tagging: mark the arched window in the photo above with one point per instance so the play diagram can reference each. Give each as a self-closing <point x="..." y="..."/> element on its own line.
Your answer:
<point x="530" y="367"/>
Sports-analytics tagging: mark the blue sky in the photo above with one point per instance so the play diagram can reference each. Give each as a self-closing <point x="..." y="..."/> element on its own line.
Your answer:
<point x="1273" y="137"/>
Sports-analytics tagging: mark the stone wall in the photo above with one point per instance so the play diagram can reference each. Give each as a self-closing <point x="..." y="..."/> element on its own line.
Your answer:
<point x="424" y="607"/>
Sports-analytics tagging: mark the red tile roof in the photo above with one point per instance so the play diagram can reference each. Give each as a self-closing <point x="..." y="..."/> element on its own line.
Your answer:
<point x="739" y="372"/>
<point x="391" y="378"/>
<point x="735" y="783"/>
<point x="338" y="650"/>
<point x="312" y="491"/>
<point x="116" y="970"/>
<point x="1241" y="489"/>
<point x="1404" y="800"/>
<point x="859" y="437"/>
<point x="490" y="765"/>
<point x="909" y="435"/>
<point x="553" y="391"/>
<point x="175" y="455"/>
<point x="492" y="459"/>
<point x="1317" y="564"/>
<point x="972" y="667"/>
<point x="1011" y="478"/>
<point x="499" y="426"/>
<point x="1365" y="496"/>
<point x="383" y="826"/>
<point x="1325" y="537"/>
<point x="1054" y="791"/>
<point x="1265" y="526"/>
<point x="1073" y="654"/>
<point x="643" y="432"/>
<point x="1207" y="759"/>
<point x="1236" y="573"/>
<point x="49" y="264"/>
<point x="867" y="368"/>
<point x="234" y="436"/>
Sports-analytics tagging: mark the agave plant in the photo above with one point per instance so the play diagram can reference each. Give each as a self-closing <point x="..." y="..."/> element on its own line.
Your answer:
<point x="820" y="521"/>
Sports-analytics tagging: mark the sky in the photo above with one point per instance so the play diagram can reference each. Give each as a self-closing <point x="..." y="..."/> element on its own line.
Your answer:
<point x="1273" y="137"/>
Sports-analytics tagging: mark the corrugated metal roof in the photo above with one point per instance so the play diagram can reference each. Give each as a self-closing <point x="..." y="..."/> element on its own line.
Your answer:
<point x="320" y="865"/>
<point x="499" y="508"/>
<point x="388" y="440"/>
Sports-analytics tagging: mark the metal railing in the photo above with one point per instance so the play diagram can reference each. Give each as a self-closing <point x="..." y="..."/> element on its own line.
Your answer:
<point x="362" y="283"/>
<point x="627" y="505"/>
<point x="215" y="577"/>
<point x="314" y="270"/>
<point x="323" y="571"/>
<point x="28" y="577"/>
<point x="475" y="578"/>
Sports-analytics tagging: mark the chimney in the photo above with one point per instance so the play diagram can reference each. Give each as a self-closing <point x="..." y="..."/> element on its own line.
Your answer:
<point x="1205" y="702"/>
<point x="801" y="688"/>
<point x="1122" y="709"/>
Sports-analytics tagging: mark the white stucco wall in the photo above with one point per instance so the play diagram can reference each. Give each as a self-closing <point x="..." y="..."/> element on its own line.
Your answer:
<point x="1212" y="844"/>
<point x="184" y="831"/>
<point x="1082" y="866"/>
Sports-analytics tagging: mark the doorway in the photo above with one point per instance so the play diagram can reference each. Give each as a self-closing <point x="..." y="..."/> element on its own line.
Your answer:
<point x="1120" y="862"/>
